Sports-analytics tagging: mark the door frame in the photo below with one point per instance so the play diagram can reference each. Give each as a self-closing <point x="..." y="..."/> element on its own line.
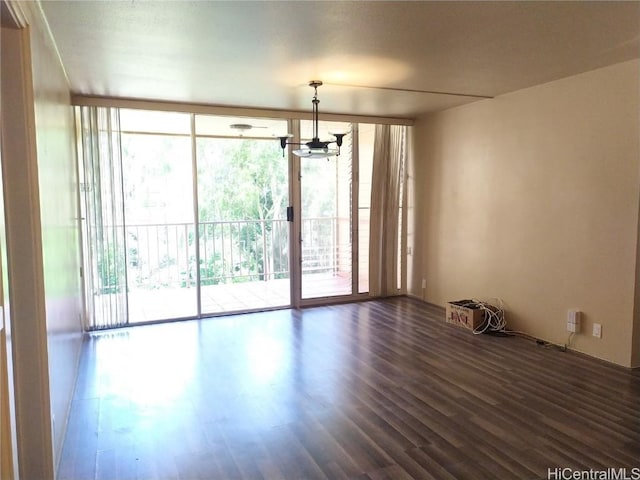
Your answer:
<point x="25" y="327"/>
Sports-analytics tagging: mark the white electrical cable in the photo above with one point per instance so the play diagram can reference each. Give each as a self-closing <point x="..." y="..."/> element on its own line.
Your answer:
<point x="494" y="320"/>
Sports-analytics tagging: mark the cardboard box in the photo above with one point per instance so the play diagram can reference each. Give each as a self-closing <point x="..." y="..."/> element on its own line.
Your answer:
<point x="465" y="313"/>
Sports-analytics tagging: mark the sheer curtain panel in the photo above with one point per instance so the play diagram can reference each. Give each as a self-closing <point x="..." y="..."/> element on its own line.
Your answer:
<point x="102" y="206"/>
<point x="389" y="153"/>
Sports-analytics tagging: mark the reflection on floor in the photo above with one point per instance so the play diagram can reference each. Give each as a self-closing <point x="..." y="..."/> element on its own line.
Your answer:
<point x="379" y="389"/>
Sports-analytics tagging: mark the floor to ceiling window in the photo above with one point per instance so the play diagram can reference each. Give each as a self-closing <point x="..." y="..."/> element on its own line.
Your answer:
<point x="186" y="215"/>
<point x="159" y="216"/>
<point x="366" y="134"/>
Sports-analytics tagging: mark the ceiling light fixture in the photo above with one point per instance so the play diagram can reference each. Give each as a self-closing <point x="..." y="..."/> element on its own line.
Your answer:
<point x="315" y="148"/>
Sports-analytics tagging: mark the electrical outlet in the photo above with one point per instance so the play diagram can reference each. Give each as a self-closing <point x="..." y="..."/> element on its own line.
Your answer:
<point x="597" y="330"/>
<point x="424" y="283"/>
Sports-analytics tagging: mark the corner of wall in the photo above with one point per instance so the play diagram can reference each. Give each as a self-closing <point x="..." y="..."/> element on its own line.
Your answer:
<point x="414" y="230"/>
<point x="635" y="332"/>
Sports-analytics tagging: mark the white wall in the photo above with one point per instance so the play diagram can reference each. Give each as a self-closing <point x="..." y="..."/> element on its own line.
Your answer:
<point x="533" y="197"/>
<point x="55" y="138"/>
<point x="42" y="242"/>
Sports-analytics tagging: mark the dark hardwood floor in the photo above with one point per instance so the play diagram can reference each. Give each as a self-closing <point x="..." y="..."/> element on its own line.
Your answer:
<point x="373" y="390"/>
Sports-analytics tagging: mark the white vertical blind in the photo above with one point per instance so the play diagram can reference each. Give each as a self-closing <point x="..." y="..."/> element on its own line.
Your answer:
<point x="103" y="218"/>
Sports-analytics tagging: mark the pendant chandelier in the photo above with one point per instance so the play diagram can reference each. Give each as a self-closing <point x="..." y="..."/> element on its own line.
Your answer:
<point x="315" y="148"/>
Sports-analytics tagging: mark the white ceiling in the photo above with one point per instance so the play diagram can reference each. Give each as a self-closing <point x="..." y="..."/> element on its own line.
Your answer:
<point x="262" y="54"/>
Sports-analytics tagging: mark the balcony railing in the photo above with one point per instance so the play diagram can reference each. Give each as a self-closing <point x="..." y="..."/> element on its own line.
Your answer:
<point x="164" y="255"/>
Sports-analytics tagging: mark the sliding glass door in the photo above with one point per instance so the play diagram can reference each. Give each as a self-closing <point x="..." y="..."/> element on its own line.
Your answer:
<point x="243" y="194"/>
<point x="187" y="215"/>
<point x="205" y="215"/>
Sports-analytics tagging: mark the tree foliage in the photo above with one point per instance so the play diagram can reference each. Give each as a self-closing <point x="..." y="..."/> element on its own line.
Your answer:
<point x="243" y="192"/>
<point x="243" y="183"/>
